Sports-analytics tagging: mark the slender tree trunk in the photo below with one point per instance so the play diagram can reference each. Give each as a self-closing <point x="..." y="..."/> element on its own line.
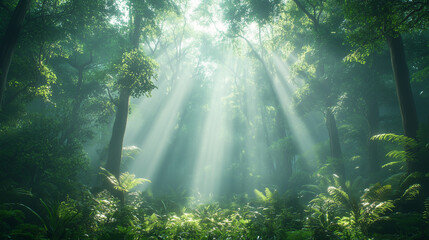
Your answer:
<point x="403" y="86"/>
<point x="113" y="164"/>
<point x="114" y="157"/>
<point x="334" y="142"/>
<point x="404" y="93"/>
<point x="8" y="43"/>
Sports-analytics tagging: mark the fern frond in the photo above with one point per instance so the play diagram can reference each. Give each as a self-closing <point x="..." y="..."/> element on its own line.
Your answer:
<point x="392" y="164"/>
<point x="412" y="192"/>
<point x="129" y="181"/>
<point x="394" y="138"/>
<point x="396" y="154"/>
<point x="260" y="195"/>
<point x="382" y="208"/>
<point x="339" y="195"/>
<point x="110" y="177"/>
<point x="376" y="192"/>
<point x="126" y="181"/>
<point x="411" y="179"/>
<point x="268" y="193"/>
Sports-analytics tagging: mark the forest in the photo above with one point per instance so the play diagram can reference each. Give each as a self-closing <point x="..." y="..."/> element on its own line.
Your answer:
<point x="214" y="119"/>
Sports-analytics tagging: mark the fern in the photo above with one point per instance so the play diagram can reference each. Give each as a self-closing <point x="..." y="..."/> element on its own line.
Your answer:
<point x="394" y="138"/>
<point x="339" y="195"/>
<point x="129" y="181"/>
<point x="260" y="195"/>
<point x="126" y="181"/>
<point x="390" y="164"/>
<point x="268" y="194"/>
<point x="412" y="192"/>
<point x="376" y="192"/>
<point x="396" y="154"/>
<point x="411" y="179"/>
<point x="376" y="210"/>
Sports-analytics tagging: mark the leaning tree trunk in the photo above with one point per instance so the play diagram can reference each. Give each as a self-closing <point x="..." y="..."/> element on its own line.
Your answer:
<point x="9" y="41"/>
<point x="404" y="93"/>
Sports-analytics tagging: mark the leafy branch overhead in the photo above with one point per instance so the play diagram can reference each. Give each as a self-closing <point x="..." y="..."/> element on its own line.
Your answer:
<point x="136" y="73"/>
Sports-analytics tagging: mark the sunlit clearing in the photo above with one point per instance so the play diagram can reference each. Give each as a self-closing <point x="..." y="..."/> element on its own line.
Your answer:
<point x="285" y="90"/>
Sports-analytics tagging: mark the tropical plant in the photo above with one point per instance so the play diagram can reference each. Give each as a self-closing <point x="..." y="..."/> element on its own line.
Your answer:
<point x="126" y="182"/>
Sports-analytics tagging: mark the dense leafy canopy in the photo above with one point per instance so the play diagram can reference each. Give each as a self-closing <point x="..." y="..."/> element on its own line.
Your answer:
<point x="214" y="119"/>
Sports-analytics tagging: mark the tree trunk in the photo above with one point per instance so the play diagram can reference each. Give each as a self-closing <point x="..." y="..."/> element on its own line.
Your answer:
<point x="8" y="43"/>
<point x="114" y="157"/>
<point x="404" y="93"/>
<point x="113" y="164"/>
<point x="403" y="86"/>
<point x="334" y="143"/>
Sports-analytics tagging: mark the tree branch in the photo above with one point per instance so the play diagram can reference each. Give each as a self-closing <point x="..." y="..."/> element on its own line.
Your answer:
<point x="115" y="102"/>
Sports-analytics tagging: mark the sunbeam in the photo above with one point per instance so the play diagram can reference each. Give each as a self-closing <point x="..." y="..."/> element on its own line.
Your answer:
<point x="213" y="148"/>
<point x="160" y="130"/>
<point x="285" y="91"/>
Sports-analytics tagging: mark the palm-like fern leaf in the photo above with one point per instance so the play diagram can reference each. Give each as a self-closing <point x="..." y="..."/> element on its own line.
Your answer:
<point x="411" y="179"/>
<point x="268" y="193"/>
<point x="412" y="192"/>
<point x="399" y="139"/>
<point x="377" y="209"/>
<point x="376" y="193"/>
<point x="126" y="181"/>
<point x="260" y="195"/>
<point x="339" y="195"/>
<point x="397" y="154"/>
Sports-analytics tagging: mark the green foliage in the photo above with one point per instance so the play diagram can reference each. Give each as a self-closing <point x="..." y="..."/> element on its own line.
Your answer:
<point x="394" y="138"/>
<point x="34" y="157"/>
<point x="126" y="181"/>
<point x="344" y="214"/>
<point x="136" y="73"/>
<point x="269" y="196"/>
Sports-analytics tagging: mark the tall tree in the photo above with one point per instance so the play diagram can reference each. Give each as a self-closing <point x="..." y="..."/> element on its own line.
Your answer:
<point x="371" y="22"/>
<point x="136" y="72"/>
